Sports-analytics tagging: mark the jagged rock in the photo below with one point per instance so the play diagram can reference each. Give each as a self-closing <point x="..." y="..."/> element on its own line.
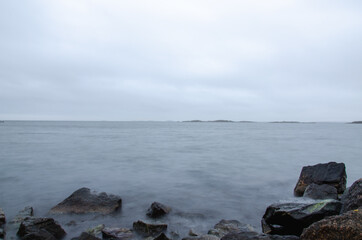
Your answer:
<point x="95" y="230"/>
<point x="193" y="234"/>
<point x="117" y="233"/>
<point x="40" y="235"/>
<point x="292" y="218"/>
<point x="86" y="236"/>
<point x="162" y="236"/>
<point x="203" y="237"/>
<point x="353" y="197"/>
<point x="26" y="212"/>
<point x="347" y="226"/>
<point x="324" y="191"/>
<point x="85" y="201"/>
<point x="147" y="229"/>
<point x="40" y="228"/>
<point x="158" y="210"/>
<point x="2" y="217"/>
<point x="331" y="173"/>
<point x="255" y="236"/>
<point x="227" y="226"/>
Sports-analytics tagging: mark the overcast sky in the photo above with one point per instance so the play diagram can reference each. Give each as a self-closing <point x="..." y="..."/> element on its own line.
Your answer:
<point x="180" y="60"/>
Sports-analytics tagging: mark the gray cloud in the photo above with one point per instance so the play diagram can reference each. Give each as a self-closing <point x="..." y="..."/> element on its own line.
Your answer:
<point x="177" y="60"/>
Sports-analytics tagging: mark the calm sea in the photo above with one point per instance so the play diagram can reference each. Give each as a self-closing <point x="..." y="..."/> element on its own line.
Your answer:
<point x="204" y="171"/>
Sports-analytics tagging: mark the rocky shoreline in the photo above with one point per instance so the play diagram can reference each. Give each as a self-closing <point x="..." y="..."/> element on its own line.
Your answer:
<point x="333" y="212"/>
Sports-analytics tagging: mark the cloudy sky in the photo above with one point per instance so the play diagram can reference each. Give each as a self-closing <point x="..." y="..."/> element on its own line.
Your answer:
<point x="179" y="60"/>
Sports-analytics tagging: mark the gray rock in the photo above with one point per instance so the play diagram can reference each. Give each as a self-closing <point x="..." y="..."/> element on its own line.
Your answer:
<point x="352" y="199"/>
<point x="162" y="236"/>
<point x="203" y="237"/>
<point x="85" y="201"/>
<point x="292" y="218"/>
<point x="117" y="233"/>
<point x="2" y="217"/>
<point x="227" y="226"/>
<point x="331" y="173"/>
<point x="147" y="229"/>
<point x="40" y="228"/>
<point x="26" y="212"/>
<point x="86" y="236"/>
<point x="158" y="210"/>
<point x="347" y="226"/>
<point x="255" y="236"/>
<point x="193" y="234"/>
<point x="324" y="191"/>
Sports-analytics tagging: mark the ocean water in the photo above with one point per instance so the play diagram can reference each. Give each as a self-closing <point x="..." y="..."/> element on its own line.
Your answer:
<point x="205" y="171"/>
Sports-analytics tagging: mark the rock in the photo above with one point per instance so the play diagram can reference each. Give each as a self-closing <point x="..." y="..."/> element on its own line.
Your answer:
<point x="2" y="233"/>
<point x="324" y="191"/>
<point x="292" y="218"/>
<point x="86" y="236"/>
<point x="95" y="230"/>
<point x="193" y="234"/>
<point x="40" y="235"/>
<point x="26" y="212"/>
<point x="117" y="233"/>
<point x="2" y="222"/>
<point x="162" y="236"/>
<point x="331" y="173"/>
<point x="255" y="236"/>
<point x="158" y="210"/>
<point x="227" y="226"/>
<point x="71" y="223"/>
<point x="39" y="228"/>
<point x="347" y="226"/>
<point x="353" y="197"/>
<point x="85" y="201"/>
<point x="146" y="229"/>
<point x="203" y="237"/>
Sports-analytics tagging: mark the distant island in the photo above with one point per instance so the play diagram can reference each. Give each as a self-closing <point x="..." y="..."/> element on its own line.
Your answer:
<point x="357" y="122"/>
<point x="217" y="121"/>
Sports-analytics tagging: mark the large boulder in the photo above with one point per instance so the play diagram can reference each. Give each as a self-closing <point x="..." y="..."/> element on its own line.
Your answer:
<point x="117" y="233"/>
<point x="347" y="226"/>
<point x="40" y="228"/>
<point x="157" y="210"/>
<point x="324" y="191"/>
<point x="227" y="226"/>
<point x="352" y="199"/>
<point x="292" y="218"/>
<point x="147" y="229"/>
<point x="85" y="201"/>
<point x="255" y="236"/>
<point x="331" y="173"/>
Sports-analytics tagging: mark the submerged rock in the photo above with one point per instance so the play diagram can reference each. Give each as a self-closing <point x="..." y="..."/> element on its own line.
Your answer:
<point x="162" y="236"/>
<point x="292" y="218"/>
<point x="255" y="236"/>
<point x="203" y="237"/>
<point x="2" y="217"/>
<point x="352" y="199"/>
<point x="86" y="236"/>
<point x="95" y="230"/>
<point x="147" y="229"/>
<point x="26" y="212"/>
<point x="347" y="226"/>
<point x="324" y="191"/>
<point x="331" y="173"/>
<point x="40" y="228"/>
<point x="117" y="233"/>
<point x="227" y="226"/>
<point x="85" y="201"/>
<point x="158" y="210"/>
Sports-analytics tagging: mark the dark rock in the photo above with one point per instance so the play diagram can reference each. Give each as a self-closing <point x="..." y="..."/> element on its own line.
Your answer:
<point x="331" y="173"/>
<point x="292" y="218"/>
<point x="158" y="210"/>
<point x="2" y="233"/>
<point x="227" y="226"/>
<point x="2" y="217"/>
<point x="117" y="233"/>
<point x="85" y="201"/>
<point x="347" y="226"/>
<point x="86" y="236"/>
<point x="255" y="236"/>
<point x="147" y="229"/>
<point x="40" y="235"/>
<point x="324" y="191"/>
<point x="203" y="237"/>
<point x="193" y="234"/>
<point x="39" y="227"/>
<point x="353" y="197"/>
<point x="26" y="212"/>
<point x="71" y="223"/>
<point x="162" y="236"/>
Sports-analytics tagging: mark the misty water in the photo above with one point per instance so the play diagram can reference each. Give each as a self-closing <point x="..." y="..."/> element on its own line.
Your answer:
<point x="205" y="171"/>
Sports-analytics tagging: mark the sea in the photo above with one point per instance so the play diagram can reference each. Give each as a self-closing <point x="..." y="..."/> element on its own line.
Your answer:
<point x="205" y="171"/>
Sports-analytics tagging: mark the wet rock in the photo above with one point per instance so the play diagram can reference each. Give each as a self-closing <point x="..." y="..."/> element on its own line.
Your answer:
<point x="324" y="191"/>
<point x="71" y="223"/>
<point x="26" y="212"/>
<point x="347" y="226"/>
<point x="2" y="217"/>
<point x="85" y="201"/>
<point x="95" y="230"/>
<point x="146" y="229"/>
<point x="162" y="236"/>
<point x="117" y="233"/>
<point x="86" y="236"/>
<point x="292" y="218"/>
<point x="2" y="233"/>
<point x="203" y="237"/>
<point x="193" y="234"/>
<point x="158" y="210"/>
<point x="40" y="228"/>
<point x="255" y="236"/>
<point x="331" y="173"/>
<point x="40" y="235"/>
<point x="353" y="197"/>
<point x="227" y="226"/>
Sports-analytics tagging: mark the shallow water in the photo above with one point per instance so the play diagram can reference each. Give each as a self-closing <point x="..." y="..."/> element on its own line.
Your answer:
<point x="204" y="171"/>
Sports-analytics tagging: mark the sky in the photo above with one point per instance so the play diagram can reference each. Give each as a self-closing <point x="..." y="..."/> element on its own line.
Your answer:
<point x="181" y="60"/>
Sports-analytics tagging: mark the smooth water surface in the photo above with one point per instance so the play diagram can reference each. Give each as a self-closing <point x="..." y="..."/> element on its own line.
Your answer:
<point x="204" y="171"/>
